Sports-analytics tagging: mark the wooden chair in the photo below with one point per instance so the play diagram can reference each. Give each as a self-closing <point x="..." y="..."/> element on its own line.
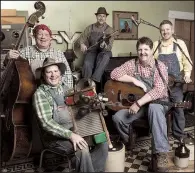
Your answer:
<point x="49" y="150"/>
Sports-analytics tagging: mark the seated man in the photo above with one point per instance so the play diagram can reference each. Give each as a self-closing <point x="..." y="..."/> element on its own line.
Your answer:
<point x="36" y="54"/>
<point x="57" y="122"/>
<point x="98" y="56"/>
<point x="143" y="72"/>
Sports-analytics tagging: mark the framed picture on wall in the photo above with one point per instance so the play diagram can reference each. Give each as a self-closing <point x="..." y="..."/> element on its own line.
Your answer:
<point x="122" y="22"/>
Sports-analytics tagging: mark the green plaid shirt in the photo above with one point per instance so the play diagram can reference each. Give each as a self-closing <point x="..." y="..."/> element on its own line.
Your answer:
<point x="43" y="105"/>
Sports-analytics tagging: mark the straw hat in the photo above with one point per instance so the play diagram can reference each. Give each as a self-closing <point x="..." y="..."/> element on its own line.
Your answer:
<point x="48" y="62"/>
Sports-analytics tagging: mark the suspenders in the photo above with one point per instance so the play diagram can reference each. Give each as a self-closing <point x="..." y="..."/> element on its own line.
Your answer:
<point x="159" y="42"/>
<point x="156" y="63"/>
<point x="184" y="53"/>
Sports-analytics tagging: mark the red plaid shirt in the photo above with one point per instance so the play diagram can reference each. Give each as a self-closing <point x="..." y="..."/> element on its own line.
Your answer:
<point x="128" y="68"/>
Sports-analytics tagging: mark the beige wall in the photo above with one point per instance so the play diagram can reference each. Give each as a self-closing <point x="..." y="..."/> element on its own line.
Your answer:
<point x="81" y="14"/>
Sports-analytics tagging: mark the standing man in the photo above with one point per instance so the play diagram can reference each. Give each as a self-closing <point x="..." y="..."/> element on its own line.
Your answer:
<point x="174" y="53"/>
<point x="36" y="54"/>
<point x="96" y="58"/>
<point x="143" y="72"/>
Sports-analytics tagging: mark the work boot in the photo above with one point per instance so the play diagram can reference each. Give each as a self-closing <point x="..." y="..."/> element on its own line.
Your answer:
<point x="162" y="162"/>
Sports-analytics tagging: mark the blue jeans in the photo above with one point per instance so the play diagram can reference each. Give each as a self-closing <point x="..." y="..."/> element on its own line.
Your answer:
<point x="157" y="121"/>
<point x="95" y="62"/>
<point x="178" y="125"/>
<point x="84" y="160"/>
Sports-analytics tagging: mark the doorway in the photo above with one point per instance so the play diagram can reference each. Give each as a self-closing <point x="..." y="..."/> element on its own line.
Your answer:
<point x="185" y="29"/>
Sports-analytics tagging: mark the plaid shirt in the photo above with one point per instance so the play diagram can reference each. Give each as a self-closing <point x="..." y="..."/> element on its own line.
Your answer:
<point x="32" y="53"/>
<point x="43" y="105"/>
<point x="159" y="90"/>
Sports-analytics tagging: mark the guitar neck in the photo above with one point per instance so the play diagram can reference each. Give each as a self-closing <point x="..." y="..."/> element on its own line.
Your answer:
<point x="179" y="81"/>
<point x="166" y="103"/>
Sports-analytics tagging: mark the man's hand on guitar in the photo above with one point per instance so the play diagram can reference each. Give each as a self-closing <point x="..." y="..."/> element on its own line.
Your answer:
<point x="77" y="140"/>
<point x="139" y="84"/>
<point x="103" y="45"/>
<point x="13" y="54"/>
<point x="134" y="109"/>
<point x="187" y="78"/>
<point x="83" y="48"/>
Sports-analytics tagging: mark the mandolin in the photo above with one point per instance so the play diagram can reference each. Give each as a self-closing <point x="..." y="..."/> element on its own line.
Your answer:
<point x="122" y="95"/>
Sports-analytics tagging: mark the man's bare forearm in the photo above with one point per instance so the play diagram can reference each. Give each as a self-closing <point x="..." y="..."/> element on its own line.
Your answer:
<point x="145" y="99"/>
<point x="126" y="78"/>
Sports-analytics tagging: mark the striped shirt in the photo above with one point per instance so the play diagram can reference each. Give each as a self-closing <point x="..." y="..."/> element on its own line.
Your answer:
<point x="43" y="104"/>
<point x="36" y="58"/>
<point x="128" y="68"/>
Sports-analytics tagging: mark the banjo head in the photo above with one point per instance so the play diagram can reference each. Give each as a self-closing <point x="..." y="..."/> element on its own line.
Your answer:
<point x="77" y="49"/>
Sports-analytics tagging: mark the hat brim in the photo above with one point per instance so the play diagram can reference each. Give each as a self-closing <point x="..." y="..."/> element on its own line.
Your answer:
<point x="102" y="13"/>
<point x="39" y="70"/>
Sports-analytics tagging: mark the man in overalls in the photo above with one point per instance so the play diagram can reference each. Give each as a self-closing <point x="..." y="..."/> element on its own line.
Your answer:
<point x="36" y="54"/>
<point x="97" y="57"/>
<point x="173" y="53"/>
<point x="143" y="72"/>
<point x="57" y="122"/>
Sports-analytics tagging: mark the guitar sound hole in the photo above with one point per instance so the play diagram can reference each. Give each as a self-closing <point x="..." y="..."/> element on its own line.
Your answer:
<point x="131" y="97"/>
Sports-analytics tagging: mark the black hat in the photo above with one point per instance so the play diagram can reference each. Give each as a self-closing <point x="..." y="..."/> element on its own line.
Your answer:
<point x="101" y="10"/>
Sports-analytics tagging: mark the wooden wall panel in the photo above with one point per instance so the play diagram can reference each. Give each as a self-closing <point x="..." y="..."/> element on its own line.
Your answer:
<point x="13" y="20"/>
<point x="185" y="29"/>
<point x="191" y="86"/>
<point x="8" y="12"/>
<point x="182" y="28"/>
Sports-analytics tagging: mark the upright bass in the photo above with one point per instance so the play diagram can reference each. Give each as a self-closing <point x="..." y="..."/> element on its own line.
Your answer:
<point x="16" y="89"/>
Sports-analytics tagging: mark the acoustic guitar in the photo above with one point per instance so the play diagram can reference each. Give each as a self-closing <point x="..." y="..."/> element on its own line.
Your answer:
<point x="122" y="95"/>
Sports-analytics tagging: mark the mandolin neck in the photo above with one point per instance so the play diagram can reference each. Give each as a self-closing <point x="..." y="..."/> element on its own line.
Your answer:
<point x="166" y="103"/>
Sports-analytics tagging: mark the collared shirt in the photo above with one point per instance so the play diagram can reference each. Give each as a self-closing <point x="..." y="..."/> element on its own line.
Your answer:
<point x="86" y="34"/>
<point x="36" y="58"/>
<point x="128" y="68"/>
<point x="43" y="105"/>
<point x="167" y="48"/>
